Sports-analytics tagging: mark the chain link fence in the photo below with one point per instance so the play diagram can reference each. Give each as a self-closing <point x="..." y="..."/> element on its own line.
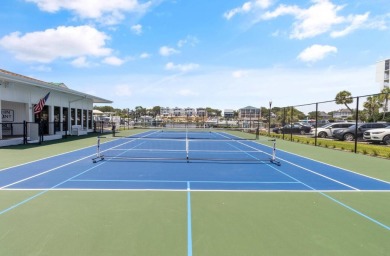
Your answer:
<point x="346" y="123"/>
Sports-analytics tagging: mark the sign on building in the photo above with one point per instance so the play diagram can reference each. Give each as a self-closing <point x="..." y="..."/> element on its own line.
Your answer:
<point x="7" y="115"/>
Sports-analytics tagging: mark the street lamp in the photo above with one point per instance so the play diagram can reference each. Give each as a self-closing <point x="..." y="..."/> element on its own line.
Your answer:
<point x="269" y="118"/>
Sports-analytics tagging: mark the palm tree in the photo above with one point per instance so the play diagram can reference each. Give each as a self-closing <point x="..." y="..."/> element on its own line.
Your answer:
<point x="373" y="104"/>
<point x="344" y="97"/>
<point x="385" y="97"/>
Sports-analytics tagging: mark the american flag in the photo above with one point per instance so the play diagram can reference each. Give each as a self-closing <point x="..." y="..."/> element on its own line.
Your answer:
<point x="38" y="108"/>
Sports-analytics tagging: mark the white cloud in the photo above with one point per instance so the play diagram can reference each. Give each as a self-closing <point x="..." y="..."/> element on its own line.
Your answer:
<point x="316" y="52"/>
<point x="109" y="12"/>
<point x="123" y="90"/>
<point x="114" y="61"/>
<point x="315" y="20"/>
<point x="263" y="4"/>
<point x="240" y="73"/>
<point x="167" y="51"/>
<point x="145" y="55"/>
<point x="61" y="42"/>
<point x="247" y="7"/>
<point x="81" y="62"/>
<point x="189" y="40"/>
<point x="186" y="92"/>
<point x="356" y="22"/>
<point x="181" y="67"/>
<point x="319" y="18"/>
<point x="137" y="29"/>
<point x="216" y="88"/>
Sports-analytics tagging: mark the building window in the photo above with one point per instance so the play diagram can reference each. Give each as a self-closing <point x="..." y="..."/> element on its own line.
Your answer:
<point x="73" y="116"/>
<point x="89" y="119"/>
<point x="84" y="119"/>
<point x="78" y="116"/>
<point x="57" y="125"/>
<point x="65" y="119"/>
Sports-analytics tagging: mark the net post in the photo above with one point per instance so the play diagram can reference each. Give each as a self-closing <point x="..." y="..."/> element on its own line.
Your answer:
<point x="273" y="158"/>
<point x="98" y="147"/>
<point x="187" y="148"/>
<point x="274" y="151"/>
<point x="98" y="154"/>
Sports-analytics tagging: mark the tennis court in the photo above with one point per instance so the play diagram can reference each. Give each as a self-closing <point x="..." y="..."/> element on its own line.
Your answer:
<point x="195" y="192"/>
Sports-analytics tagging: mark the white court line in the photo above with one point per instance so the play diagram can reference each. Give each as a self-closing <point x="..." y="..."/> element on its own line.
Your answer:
<point x="198" y="190"/>
<point x="304" y="168"/>
<point x="58" y="167"/>
<point x="75" y="150"/>
<point x="347" y="170"/>
<point x="46" y="158"/>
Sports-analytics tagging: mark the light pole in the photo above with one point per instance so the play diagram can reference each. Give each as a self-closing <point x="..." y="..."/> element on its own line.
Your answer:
<point x="269" y="118"/>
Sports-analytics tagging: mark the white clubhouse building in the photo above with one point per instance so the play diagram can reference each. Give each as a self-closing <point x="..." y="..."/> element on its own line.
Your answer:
<point x="65" y="109"/>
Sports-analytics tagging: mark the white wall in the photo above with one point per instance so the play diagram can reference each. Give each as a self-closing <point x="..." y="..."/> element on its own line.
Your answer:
<point x="380" y="73"/>
<point x="20" y="98"/>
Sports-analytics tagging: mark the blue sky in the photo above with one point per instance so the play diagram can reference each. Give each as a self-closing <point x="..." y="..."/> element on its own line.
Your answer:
<point x="198" y="53"/>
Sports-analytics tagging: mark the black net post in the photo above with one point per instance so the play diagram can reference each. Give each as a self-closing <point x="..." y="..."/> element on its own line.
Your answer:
<point x="113" y="129"/>
<point x="316" y="126"/>
<point x="40" y="132"/>
<point x="291" y="122"/>
<point x="284" y="119"/>
<point x="24" y="132"/>
<point x="356" y="123"/>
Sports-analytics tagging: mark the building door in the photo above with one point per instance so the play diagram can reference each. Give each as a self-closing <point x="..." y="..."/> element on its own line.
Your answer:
<point x="43" y="119"/>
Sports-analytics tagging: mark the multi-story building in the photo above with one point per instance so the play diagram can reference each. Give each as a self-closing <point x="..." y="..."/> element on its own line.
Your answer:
<point x="249" y="113"/>
<point x="201" y="112"/>
<point x="165" y="111"/>
<point x="383" y="75"/>
<point x="228" y="113"/>
<point x="178" y="112"/>
<point x="190" y="112"/>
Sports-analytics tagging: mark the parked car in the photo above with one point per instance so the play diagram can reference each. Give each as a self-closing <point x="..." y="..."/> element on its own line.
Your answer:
<point x="296" y="128"/>
<point x="328" y="129"/>
<point x="349" y="133"/>
<point x="378" y="135"/>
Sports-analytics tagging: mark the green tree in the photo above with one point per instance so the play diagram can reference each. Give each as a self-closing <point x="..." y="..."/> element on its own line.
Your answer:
<point x="385" y="98"/>
<point x="372" y="104"/>
<point x="156" y="110"/>
<point x="344" y="98"/>
<point x="104" y="108"/>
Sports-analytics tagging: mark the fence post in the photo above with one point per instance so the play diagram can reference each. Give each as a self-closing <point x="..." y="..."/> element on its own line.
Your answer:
<point x="24" y="132"/>
<point x="316" y="128"/>
<point x="284" y="120"/>
<point x="356" y="123"/>
<point x="291" y="123"/>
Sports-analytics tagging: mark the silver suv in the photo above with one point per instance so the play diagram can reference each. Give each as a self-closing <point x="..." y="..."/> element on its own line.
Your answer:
<point x="328" y="129"/>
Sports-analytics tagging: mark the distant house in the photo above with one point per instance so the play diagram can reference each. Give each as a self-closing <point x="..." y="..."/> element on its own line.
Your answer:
<point x="342" y="114"/>
<point x="248" y="113"/>
<point x="190" y="111"/>
<point x="201" y="112"/>
<point x="166" y="111"/>
<point x="323" y="115"/>
<point x="228" y="113"/>
<point x="178" y="112"/>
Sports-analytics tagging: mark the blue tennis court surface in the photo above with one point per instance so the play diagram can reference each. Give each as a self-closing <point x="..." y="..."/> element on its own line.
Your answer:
<point x="220" y="162"/>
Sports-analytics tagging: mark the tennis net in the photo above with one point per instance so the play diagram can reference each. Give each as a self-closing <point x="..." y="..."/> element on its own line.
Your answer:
<point x="186" y="145"/>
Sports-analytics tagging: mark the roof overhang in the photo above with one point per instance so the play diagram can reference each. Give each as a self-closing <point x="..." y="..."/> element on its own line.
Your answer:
<point x="6" y="76"/>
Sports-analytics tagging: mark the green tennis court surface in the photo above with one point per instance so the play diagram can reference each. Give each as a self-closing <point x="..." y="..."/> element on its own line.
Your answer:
<point x="40" y="219"/>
